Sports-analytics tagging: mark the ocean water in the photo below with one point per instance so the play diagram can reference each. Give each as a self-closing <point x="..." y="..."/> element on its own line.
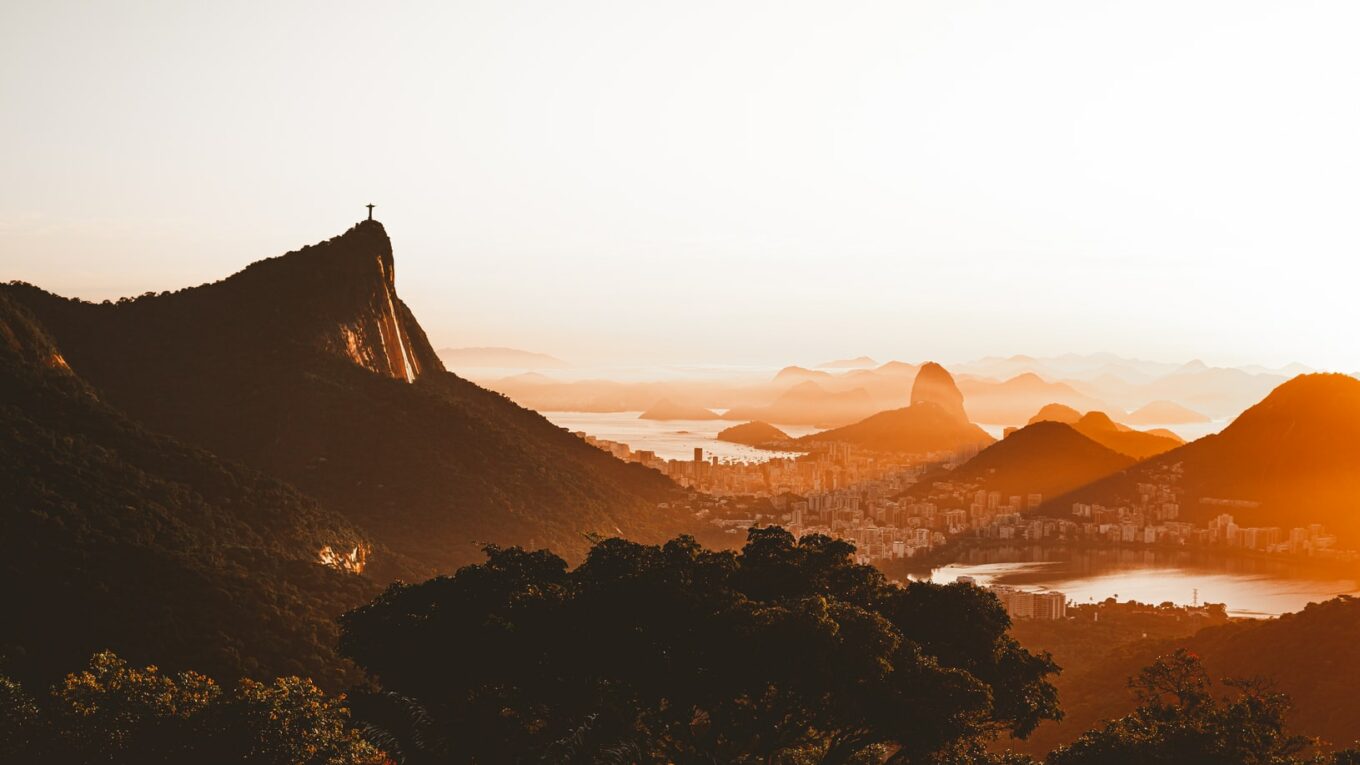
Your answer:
<point x="670" y="439"/>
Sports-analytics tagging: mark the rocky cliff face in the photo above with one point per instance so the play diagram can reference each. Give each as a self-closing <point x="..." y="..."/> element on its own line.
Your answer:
<point x="382" y="335"/>
<point x="345" y="290"/>
<point x="336" y="298"/>
<point x="934" y="385"/>
<point x="22" y="340"/>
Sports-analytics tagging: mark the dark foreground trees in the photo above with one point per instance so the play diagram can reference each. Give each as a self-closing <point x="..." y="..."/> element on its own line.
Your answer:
<point x="113" y="713"/>
<point x="784" y="652"/>
<point x="1179" y="721"/>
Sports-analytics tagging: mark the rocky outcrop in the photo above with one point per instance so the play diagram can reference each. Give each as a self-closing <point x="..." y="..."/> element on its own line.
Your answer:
<point x="350" y="282"/>
<point x="934" y="385"/>
<point x="22" y="340"/>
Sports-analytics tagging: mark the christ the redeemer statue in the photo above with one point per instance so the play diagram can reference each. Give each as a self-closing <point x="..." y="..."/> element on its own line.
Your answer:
<point x="370" y="212"/>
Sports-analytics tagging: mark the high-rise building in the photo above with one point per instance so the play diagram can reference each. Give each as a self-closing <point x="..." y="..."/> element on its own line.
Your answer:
<point x="1050" y="605"/>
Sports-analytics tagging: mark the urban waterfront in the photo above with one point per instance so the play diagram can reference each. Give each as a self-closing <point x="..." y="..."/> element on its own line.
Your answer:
<point x="1251" y="587"/>
<point x="1137" y="550"/>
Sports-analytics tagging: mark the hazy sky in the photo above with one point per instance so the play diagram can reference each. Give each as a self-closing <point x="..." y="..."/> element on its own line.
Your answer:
<point x="718" y="182"/>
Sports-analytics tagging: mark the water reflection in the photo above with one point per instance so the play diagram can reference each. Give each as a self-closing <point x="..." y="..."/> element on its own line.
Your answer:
<point x="1254" y="587"/>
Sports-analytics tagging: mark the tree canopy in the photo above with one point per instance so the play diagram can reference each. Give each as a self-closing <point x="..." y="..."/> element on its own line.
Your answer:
<point x="1179" y="721"/>
<point x="786" y="651"/>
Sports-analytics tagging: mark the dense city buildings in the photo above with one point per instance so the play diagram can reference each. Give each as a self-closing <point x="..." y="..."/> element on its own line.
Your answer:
<point x="901" y="506"/>
<point x="1026" y="604"/>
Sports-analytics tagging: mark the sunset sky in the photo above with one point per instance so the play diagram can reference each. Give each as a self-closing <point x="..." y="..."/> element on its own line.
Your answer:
<point x="718" y="182"/>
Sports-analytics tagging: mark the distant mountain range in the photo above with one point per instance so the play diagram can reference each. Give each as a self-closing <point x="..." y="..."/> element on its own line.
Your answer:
<point x="1164" y="412"/>
<point x="861" y="362"/>
<point x="809" y="403"/>
<point x="1161" y="394"/>
<point x="1013" y="399"/>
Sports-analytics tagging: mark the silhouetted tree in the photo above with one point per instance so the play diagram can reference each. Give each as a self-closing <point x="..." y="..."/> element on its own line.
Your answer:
<point x="784" y="652"/>
<point x="1179" y="721"/>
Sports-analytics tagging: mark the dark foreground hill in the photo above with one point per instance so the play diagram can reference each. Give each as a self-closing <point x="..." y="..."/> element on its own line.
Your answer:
<point x="1291" y="460"/>
<point x="1312" y="655"/>
<point x="309" y="367"/>
<point x="113" y="537"/>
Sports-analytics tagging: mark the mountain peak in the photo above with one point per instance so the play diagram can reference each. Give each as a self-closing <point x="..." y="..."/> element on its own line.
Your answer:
<point x="1056" y="413"/>
<point x="1321" y="400"/>
<point x="934" y="385"/>
<point x="340" y="295"/>
<point x="859" y="362"/>
<point x="1045" y="457"/>
<point x="1097" y="421"/>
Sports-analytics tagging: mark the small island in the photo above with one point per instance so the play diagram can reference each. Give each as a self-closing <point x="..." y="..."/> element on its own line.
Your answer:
<point x="757" y="434"/>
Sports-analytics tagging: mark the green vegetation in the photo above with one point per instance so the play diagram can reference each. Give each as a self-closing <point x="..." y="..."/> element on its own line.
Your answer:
<point x="784" y="652"/>
<point x="115" y="537"/>
<point x="1179" y="721"/>
<point x="114" y="713"/>
<point x="1311" y="655"/>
